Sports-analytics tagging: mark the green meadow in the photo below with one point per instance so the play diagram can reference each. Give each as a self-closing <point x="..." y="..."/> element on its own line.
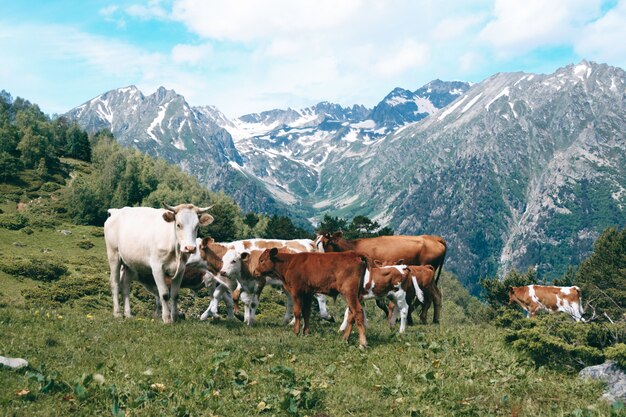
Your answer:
<point x="55" y="311"/>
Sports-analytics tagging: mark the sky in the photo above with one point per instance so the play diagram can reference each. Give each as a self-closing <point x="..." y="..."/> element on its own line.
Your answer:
<point x="246" y="56"/>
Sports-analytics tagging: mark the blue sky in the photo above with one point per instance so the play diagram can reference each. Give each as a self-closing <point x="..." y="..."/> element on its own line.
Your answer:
<point x="247" y="56"/>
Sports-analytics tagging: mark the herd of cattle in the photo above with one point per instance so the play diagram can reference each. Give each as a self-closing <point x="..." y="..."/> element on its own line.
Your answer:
<point x="160" y="249"/>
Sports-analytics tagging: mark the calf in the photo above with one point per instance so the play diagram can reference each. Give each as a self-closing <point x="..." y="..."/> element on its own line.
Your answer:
<point x="533" y="298"/>
<point x="304" y="274"/>
<point x="389" y="282"/>
<point x="292" y="246"/>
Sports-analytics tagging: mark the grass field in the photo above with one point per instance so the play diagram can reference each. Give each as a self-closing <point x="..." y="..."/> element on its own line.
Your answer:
<point x="85" y="362"/>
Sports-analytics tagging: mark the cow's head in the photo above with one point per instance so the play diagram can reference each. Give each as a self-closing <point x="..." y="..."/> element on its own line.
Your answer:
<point x="230" y="273"/>
<point x="327" y="242"/>
<point x="186" y="219"/>
<point x="267" y="262"/>
<point x="512" y="295"/>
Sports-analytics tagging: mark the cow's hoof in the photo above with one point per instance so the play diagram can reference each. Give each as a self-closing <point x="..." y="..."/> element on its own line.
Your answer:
<point x="362" y="347"/>
<point x="239" y="317"/>
<point x="330" y="319"/>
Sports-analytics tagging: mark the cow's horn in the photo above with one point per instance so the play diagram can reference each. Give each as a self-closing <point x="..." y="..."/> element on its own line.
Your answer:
<point x="168" y="207"/>
<point x="200" y="210"/>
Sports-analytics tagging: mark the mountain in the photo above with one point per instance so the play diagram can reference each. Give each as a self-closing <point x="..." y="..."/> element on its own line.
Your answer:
<point x="521" y="170"/>
<point x="163" y="124"/>
<point x="304" y="157"/>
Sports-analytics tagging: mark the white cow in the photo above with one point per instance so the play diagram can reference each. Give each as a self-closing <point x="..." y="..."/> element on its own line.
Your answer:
<point x="152" y="241"/>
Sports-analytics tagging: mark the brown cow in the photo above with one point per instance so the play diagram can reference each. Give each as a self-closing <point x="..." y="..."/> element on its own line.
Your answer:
<point x="304" y="274"/>
<point x="413" y="250"/>
<point x="533" y="298"/>
<point x="424" y="277"/>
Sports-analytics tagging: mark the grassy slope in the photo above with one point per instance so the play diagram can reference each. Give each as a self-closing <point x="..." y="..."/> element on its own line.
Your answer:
<point x="226" y="369"/>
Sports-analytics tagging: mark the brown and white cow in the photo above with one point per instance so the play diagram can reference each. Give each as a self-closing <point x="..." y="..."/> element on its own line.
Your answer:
<point x="413" y="250"/>
<point x="152" y="241"/>
<point x="304" y="274"/>
<point x="389" y="282"/>
<point x="534" y="298"/>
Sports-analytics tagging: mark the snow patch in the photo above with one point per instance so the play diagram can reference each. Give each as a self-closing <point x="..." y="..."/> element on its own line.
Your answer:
<point x="471" y="103"/>
<point x="157" y="122"/>
<point x="451" y="108"/>
<point x="504" y="92"/>
<point x="365" y="124"/>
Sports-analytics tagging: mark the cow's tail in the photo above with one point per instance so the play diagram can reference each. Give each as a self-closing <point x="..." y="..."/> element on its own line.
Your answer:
<point x="443" y="259"/>
<point x="581" y="310"/>
<point x="418" y="291"/>
<point x="365" y="274"/>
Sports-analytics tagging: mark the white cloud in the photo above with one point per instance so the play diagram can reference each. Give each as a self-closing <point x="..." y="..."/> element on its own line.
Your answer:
<point x="407" y="56"/>
<point x="153" y="10"/>
<point x="192" y="54"/>
<point x="604" y="39"/>
<point x="521" y="26"/>
<point x="246" y="20"/>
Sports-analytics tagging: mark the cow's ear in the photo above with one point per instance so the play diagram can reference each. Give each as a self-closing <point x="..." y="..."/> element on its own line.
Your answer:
<point x="400" y="262"/>
<point x="511" y="290"/>
<point x="245" y="256"/>
<point x="206" y="219"/>
<point x="273" y="253"/>
<point x="169" y="216"/>
<point x="207" y="241"/>
<point x="378" y="263"/>
<point x="337" y="235"/>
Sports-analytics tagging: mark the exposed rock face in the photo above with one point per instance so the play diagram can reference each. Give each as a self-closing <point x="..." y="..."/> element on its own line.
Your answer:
<point x="614" y="377"/>
<point x="520" y="170"/>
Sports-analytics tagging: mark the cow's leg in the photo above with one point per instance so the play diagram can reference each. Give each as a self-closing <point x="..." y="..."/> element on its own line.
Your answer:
<point x="115" y="264"/>
<point x="164" y="291"/>
<point x="236" y="296"/>
<point x="126" y="278"/>
<point x="321" y="301"/>
<point x="346" y="317"/>
<point x="358" y="315"/>
<point x="307" y="302"/>
<point x="400" y="297"/>
<point x="250" y="301"/>
<point x="174" y="297"/>
<point x="383" y="306"/>
<point x="428" y="300"/>
<point x="297" y="312"/>
<point x="228" y="300"/>
<point x="393" y="315"/>
<point x="437" y="304"/>
<point x="288" y="310"/>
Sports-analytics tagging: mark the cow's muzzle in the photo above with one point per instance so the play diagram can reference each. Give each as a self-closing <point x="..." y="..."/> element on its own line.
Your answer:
<point x="189" y="249"/>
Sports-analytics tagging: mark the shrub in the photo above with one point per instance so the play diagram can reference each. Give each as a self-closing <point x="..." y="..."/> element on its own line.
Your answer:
<point x="36" y="269"/>
<point x="15" y="221"/>
<point x="495" y="291"/>
<point x="618" y="354"/>
<point x="89" y="290"/>
<point x="50" y="187"/>
<point x="85" y="244"/>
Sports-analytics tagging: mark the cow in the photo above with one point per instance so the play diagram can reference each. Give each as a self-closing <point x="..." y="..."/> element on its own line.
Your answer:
<point x="533" y="298"/>
<point x="157" y="241"/>
<point x="306" y="273"/>
<point x="389" y="282"/>
<point x="293" y="246"/>
<point x="413" y="250"/>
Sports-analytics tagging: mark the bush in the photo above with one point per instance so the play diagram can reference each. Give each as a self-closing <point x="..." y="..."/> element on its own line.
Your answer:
<point x="36" y="269"/>
<point x="495" y="291"/>
<point x="50" y="187"/>
<point x="85" y="244"/>
<point x="557" y="342"/>
<point x="87" y="290"/>
<point x="617" y="353"/>
<point x="15" y="221"/>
